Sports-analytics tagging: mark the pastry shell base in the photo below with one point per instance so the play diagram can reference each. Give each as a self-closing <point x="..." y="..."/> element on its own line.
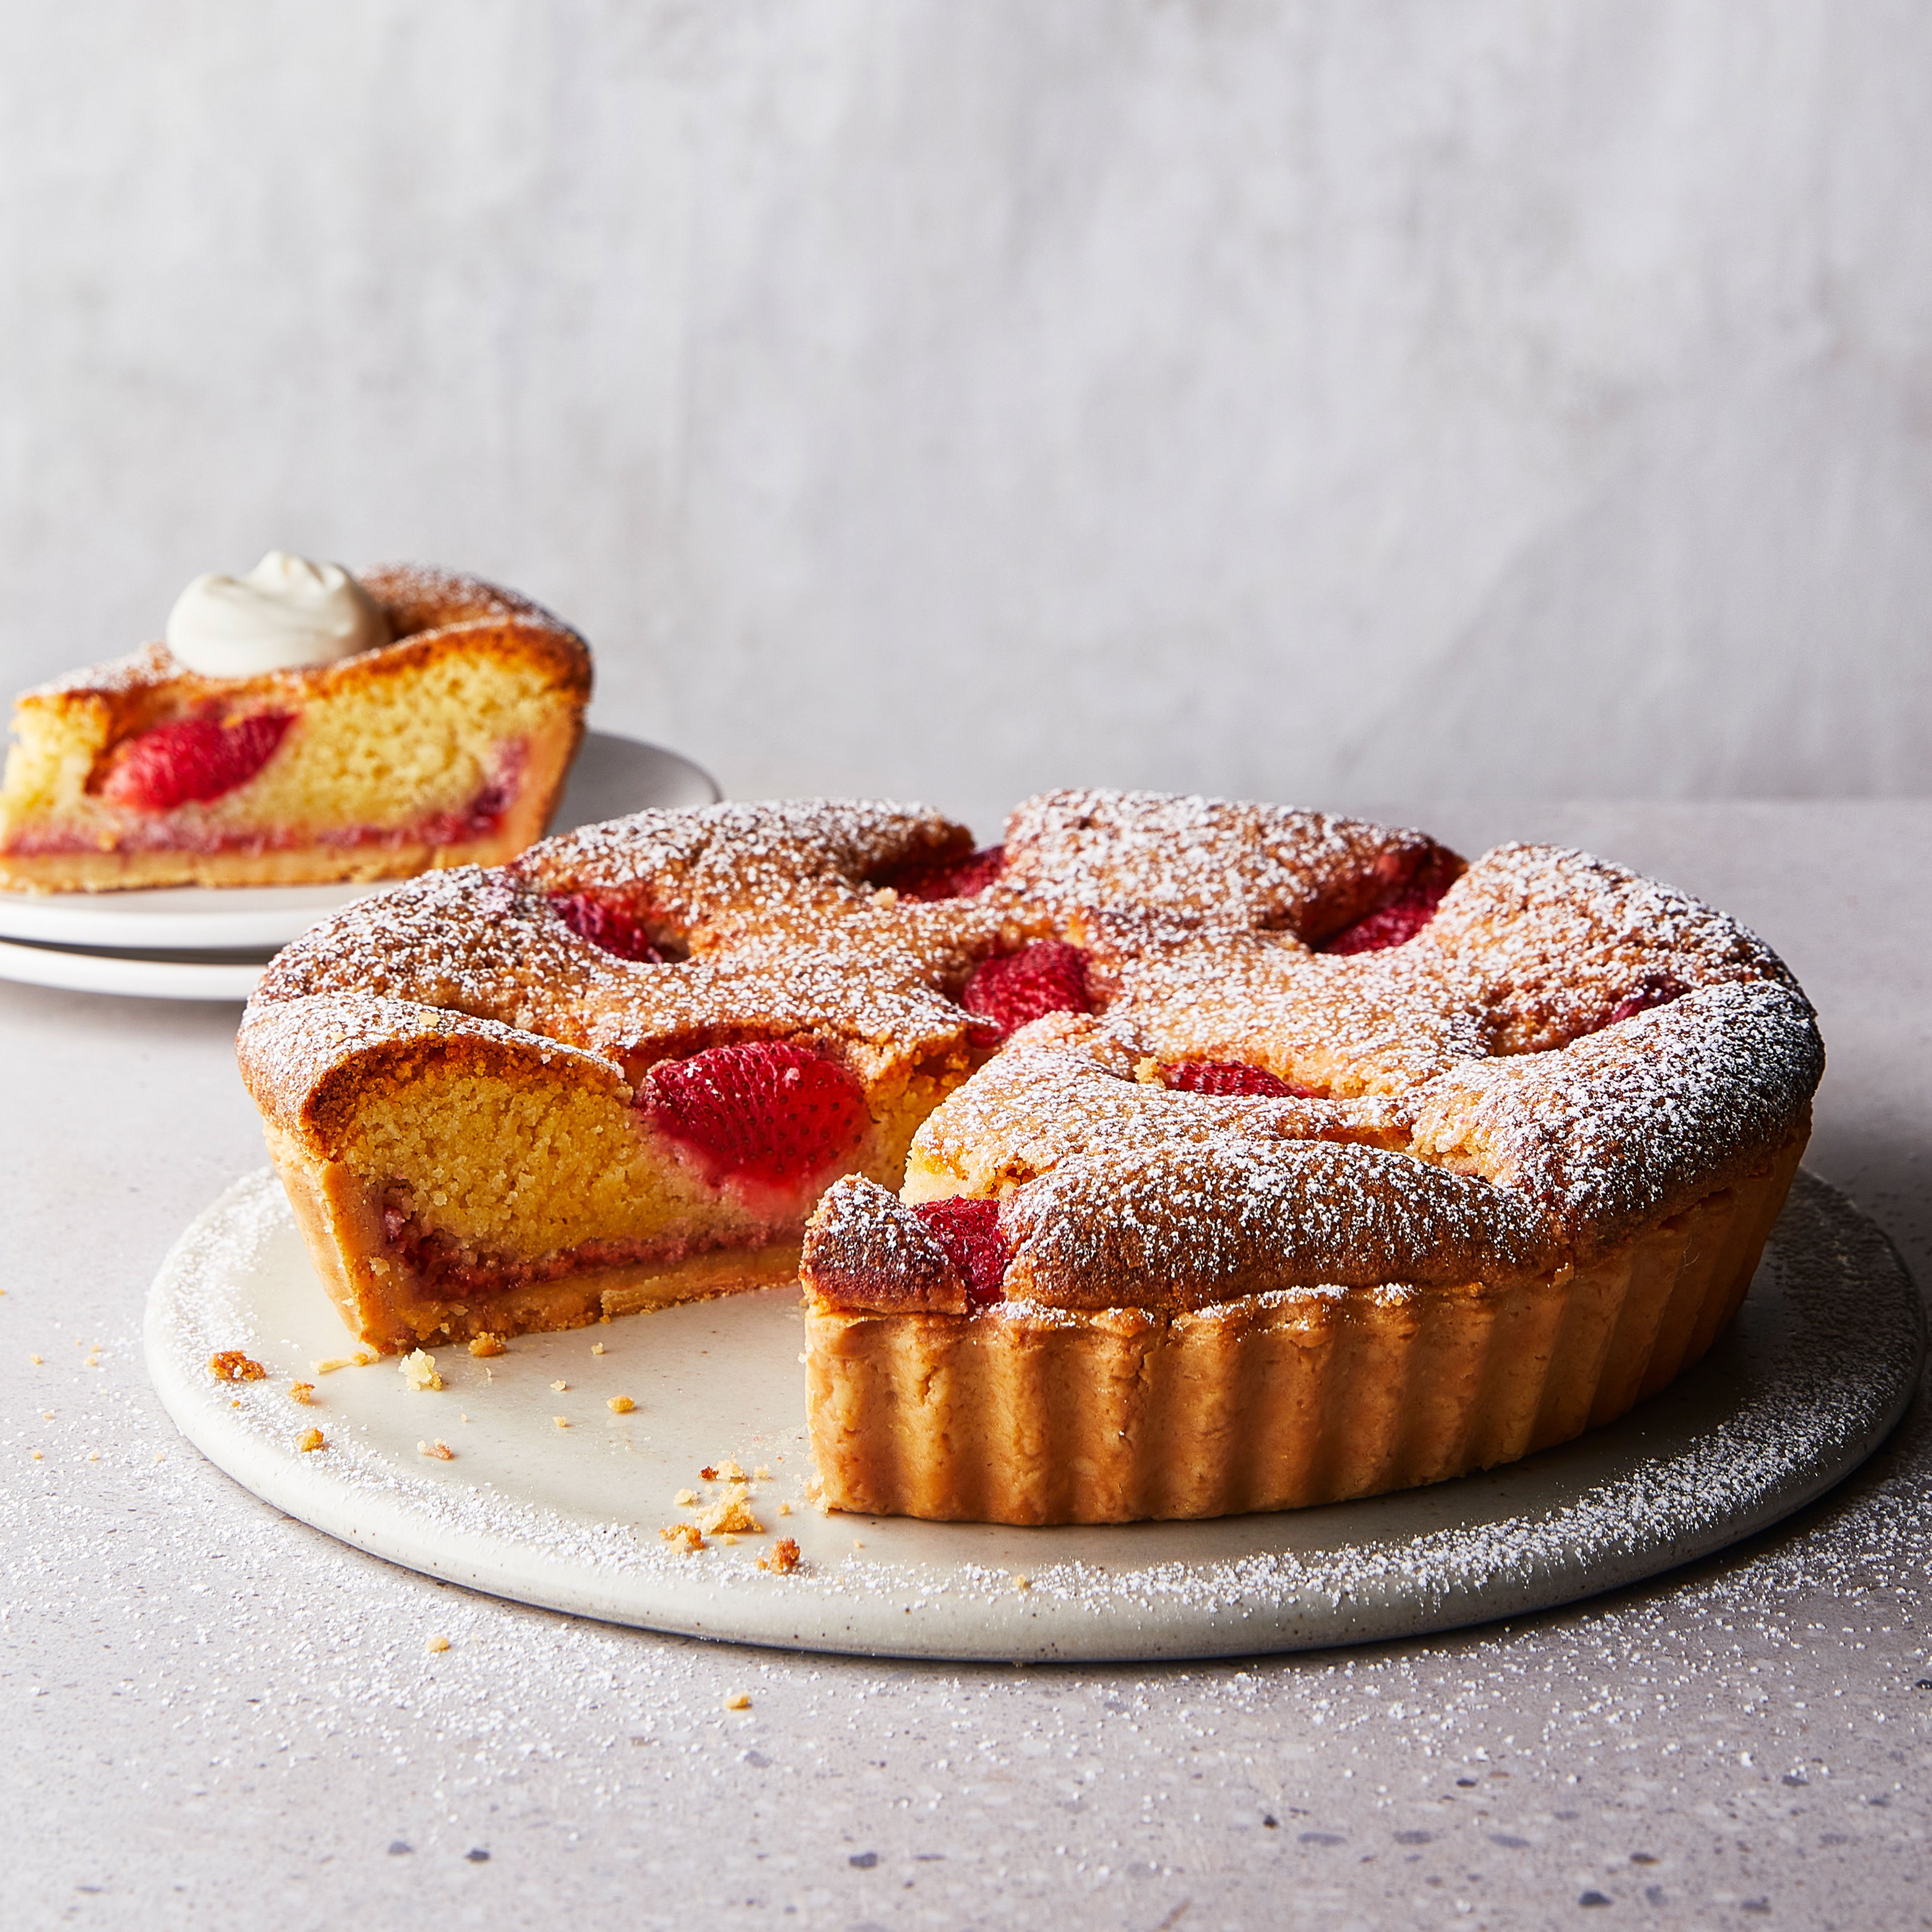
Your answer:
<point x="1024" y="1415"/>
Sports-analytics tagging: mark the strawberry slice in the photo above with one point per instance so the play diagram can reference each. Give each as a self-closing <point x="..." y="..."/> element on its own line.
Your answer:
<point x="1654" y="989"/>
<point x="194" y="759"/>
<point x="1234" y="1077"/>
<point x="606" y="923"/>
<point x="1049" y="976"/>
<point x="766" y="1110"/>
<point x="1400" y="917"/>
<point x="951" y="878"/>
<point x="969" y="1231"/>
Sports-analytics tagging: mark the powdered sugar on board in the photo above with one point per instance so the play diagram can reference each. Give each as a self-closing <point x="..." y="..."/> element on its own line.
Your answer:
<point x="1822" y="1364"/>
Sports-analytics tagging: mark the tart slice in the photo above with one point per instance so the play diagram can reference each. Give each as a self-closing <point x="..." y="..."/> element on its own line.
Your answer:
<point x="444" y="741"/>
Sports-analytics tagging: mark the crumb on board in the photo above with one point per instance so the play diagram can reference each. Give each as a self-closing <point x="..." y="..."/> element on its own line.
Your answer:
<point x="597" y="1348"/>
<point x="309" y="1440"/>
<point x="730" y="1512"/>
<point x="562" y="1388"/>
<point x="784" y="1558"/>
<point x="737" y="1701"/>
<point x="232" y="1365"/>
<point x="707" y="1474"/>
<point x="301" y="1392"/>
<point x="784" y="1509"/>
<point x="1022" y="1582"/>
<point x="488" y="1345"/>
<point x="438" y="1643"/>
<point x="35" y="1360"/>
<point x="439" y="1450"/>
<point x="562" y="1421"/>
<point x="620" y="1405"/>
<point x="761" y="1474"/>
<point x="419" y="1370"/>
<point x="360" y="1359"/>
<point x="685" y="1498"/>
<point x="684" y="1535"/>
<point x="728" y="1470"/>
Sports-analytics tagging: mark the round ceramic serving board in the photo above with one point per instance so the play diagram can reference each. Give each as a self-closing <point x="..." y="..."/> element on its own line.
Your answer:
<point x="1819" y="1365"/>
<point x="121" y="942"/>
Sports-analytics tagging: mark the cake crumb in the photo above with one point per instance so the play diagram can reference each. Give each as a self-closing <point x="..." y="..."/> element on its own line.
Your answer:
<point x="1148" y="1073"/>
<point x="684" y="1499"/>
<point x="36" y="1455"/>
<point x="439" y="1449"/>
<point x="419" y="1370"/>
<point x="858" y="1543"/>
<point x="597" y="1348"/>
<point x="761" y="1474"/>
<point x="301" y="1392"/>
<point x="620" y="1405"/>
<point x="685" y="1535"/>
<point x="560" y="1387"/>
<point x="886" y="897"/>
<point x="562" y="1421"/>
<point x="707" y="1474"/>
<point x="784" y="1509"/>
<point x="488" y="1345"/>
<point x="737" y="1701"/>
<point x="784" y="1558"/>
<point x="731" y="1512"/>
<point x="93" y="1455"/>
<point x="232" y="1365"/>
<point x="358" y="1361"/>
<point x="723" y="1536"/>
<point x="729" y="1471"/>
<point x="437" y="1643"/>
<point x="1022" y="1582"/>
<point x="35" y="1360"/>
<point x="311" y="1439"/>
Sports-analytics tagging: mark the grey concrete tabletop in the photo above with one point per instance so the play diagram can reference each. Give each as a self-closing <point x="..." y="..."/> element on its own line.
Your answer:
<point x="215" y="1716"/>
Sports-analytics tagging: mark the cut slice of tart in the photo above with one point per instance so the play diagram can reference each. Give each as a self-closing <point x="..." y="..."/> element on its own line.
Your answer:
<point x="447" y="744"/>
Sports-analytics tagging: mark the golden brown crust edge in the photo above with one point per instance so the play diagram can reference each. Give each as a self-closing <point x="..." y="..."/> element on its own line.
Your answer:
<point x="1026" y="1415"/>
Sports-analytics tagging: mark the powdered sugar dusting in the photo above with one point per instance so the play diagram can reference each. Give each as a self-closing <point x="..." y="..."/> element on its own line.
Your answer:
<point x="1826" y="1358"/>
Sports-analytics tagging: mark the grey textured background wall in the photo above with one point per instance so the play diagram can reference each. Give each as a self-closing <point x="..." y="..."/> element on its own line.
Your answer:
<point x="1313" y="401"/>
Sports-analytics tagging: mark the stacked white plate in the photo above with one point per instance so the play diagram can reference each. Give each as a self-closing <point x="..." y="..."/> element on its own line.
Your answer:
<point x="211" y="942"/>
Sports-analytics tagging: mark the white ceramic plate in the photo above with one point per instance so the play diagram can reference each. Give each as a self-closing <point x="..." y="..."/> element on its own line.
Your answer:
<point x="103" y="942"/>
<point x="1819" y="1367"/>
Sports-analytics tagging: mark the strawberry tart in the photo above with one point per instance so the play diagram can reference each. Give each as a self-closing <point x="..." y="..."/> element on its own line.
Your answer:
<point x="1174" y="1158"/>
<point x="299" y="725"/>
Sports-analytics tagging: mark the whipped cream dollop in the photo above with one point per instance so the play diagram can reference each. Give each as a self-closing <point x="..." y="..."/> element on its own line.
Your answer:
<point x="286" y="612"/>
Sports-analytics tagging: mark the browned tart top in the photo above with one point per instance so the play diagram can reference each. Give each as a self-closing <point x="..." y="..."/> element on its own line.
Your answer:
<point x="1316" y="1053"/>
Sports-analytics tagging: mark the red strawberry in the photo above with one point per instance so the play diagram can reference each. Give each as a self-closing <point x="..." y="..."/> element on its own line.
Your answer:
<point x="969" y="1231"/>
<point x="1401" y="916"/>
<point x="1233" y="1076"/>
<point x="1654" y="989"/>
<point x="1049" y="976"/>
<point x="766" y="1110"/>
<point x="606" y="923"/>
<point x="951" y="878"/>
<point x="194" y="759"/>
